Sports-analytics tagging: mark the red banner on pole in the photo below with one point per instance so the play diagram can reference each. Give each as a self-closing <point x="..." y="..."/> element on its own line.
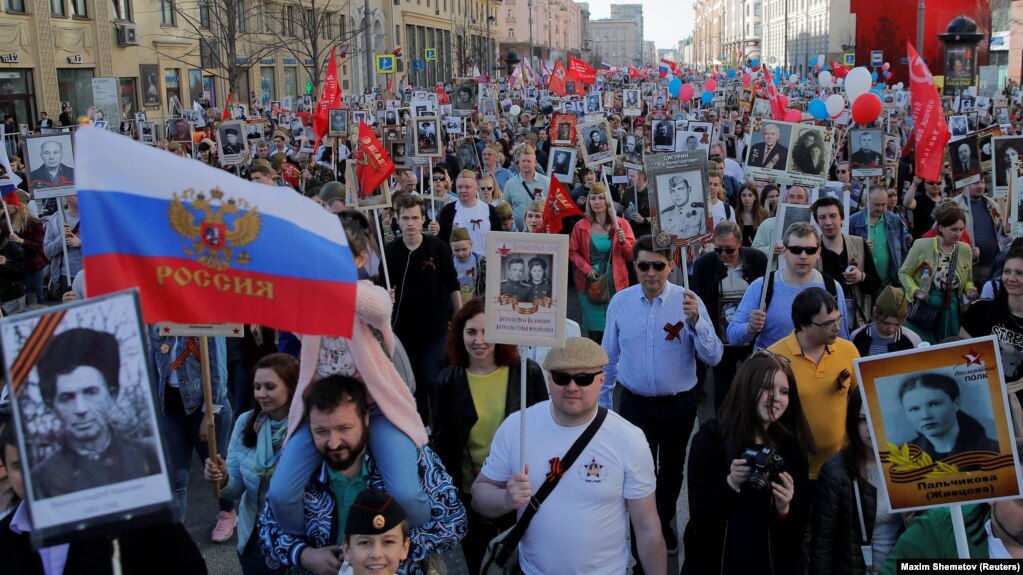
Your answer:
<point x="330" y="97"/>
<point x="930" y="132"/>
<point x="581" y="71"/>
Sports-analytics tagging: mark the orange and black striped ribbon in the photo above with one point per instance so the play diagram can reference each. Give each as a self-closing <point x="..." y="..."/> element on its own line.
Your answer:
<point x="33" y="348"/>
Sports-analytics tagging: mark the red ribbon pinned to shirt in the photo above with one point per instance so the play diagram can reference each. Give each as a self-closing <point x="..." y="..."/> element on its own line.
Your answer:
<point x="674" y="331"/>
<point x="556" y="469"/>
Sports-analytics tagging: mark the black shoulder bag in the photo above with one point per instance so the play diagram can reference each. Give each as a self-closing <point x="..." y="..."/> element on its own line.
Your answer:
<point x="502" y="557"/>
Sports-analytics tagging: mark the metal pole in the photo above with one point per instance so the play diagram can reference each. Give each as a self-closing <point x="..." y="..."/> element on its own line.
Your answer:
<point x="920" y="27"/>
<point x="530" y="32"/>
<point x="369" y="44"/>
<point x="785" y="44"/>
<point x="490" y="45"/>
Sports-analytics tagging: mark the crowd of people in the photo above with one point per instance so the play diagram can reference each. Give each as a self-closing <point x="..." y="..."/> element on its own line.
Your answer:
<point x="382" y="451"/>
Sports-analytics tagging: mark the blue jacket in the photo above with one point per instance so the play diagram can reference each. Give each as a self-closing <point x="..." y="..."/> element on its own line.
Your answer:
<point x="898" y="240"/>
<point x="447" y="526"/>
<point x="190" y="373"/>
<point x="243" y="484"/>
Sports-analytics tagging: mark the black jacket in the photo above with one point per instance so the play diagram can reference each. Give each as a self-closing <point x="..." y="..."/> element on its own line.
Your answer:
<point x="157" y="550"/>
<point x="713" y="505"/>
<point x="708" y="271"/>
<point x="12" y="273"/>
<point x="446" y="220"/>
<point x="454" y="412"/>
<point x="835" y="529"/>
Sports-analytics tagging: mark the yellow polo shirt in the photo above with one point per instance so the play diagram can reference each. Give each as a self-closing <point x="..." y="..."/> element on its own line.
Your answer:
<point x="824" y="403"/>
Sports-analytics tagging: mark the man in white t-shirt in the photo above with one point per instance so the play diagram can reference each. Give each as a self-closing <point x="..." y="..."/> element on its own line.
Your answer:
<point x="584" y="524"/>
<point x="469" y="212"/>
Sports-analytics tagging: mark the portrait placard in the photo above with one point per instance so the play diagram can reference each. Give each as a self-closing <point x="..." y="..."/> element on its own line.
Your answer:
<point x="687" y="141"/>
<point x="366" y="199"/>
<point x="596" y="143"/>
<point x="677" y="184"/>
<point x="940" y="424"/>
<point x="562" y="132"/>
<point x="465" y="98"/>
<point x="1007" y="151"/>
<point x="1015" y="208"/>
<point x="427" y="137"/>
<point x="527" y="288"/>
<point x="727" y="306"/>
<point x="632" y="106"/>
<point x="986" y="147"/>
<point x="561" y="163"/>
<point x="663" y="136"/>
<point x="809" y="155"/>
<point x="788" y="153"/>
<point x="337" y="122"/>
<point x="91" y="356"/>
<point x="468" y="157"/>
<point x="232" y="145"/>
<point x="964" y="158"/>
<point x="147" y="133"/>
<point x="398" y="151"/>
<point x="50" y="165"/>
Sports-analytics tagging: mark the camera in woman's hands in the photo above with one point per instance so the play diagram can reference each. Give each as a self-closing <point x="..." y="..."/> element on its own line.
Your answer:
<point x="766" y="462"/>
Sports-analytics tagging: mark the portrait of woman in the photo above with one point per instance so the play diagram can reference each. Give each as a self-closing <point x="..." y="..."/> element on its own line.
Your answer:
<point x="931" y="405"/>
<point x="538" y="278"/>
<point x="808" y="154"/>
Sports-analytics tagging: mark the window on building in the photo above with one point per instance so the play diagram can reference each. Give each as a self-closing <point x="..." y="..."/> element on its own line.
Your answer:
<point x="511" y="33"/>
<point x="756" y="9"/>
<point x="328" y="25"/>
<point x="79" y="9"/>
<point x="15" y="5"/>
<point x="167" y="17"/>
<point x="122" y="9"/>
<point x="289" y="21"/>
<point x="243" y="20"/>
<point x="268" y="18"/>
<point x="756" y="28"/>
<point x="57" y="8"/>
<point x="204" y="15"/>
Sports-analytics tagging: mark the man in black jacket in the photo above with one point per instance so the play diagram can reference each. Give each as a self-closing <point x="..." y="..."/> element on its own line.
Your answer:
<point x="719" y="279"/>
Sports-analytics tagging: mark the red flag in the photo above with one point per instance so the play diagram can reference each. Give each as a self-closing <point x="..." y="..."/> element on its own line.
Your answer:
<point x="442" y="96"/>
<point x="930" y="132"/>
<point x="372" y="163"/>
<point x="557" y="82"/>
<point x="773" y="97"/>
<point x="330" y="97"/>
<point x="559" y="206"/>
<point x="634" y="73"/>
<point x="839" y="70"/>
<point x="581" y="71"/>
<point x="227" y="109"/>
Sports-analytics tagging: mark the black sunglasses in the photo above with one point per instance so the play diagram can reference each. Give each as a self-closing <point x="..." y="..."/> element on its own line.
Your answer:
<point x="798" y="250"/>
<point x="562" y="379"/>
<point x="645" y="266"/>
<point x="724" y="250"/>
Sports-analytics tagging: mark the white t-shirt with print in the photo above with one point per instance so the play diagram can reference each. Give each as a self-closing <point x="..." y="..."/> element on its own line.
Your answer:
<point x="583" y="524"/>
<point x="477" y="221"/>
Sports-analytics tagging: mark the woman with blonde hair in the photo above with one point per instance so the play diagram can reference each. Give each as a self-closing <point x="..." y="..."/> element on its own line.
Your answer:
<point x="600" y="248"/>
<point x="490" y="191"/>
<point x="28" y="233"/>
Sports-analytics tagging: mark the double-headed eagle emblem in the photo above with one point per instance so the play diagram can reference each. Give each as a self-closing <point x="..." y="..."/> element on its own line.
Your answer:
<point x="215" y="228"/>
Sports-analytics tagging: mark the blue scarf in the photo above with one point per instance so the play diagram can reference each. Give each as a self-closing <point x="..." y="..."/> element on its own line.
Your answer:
<point x="269" y="439"/>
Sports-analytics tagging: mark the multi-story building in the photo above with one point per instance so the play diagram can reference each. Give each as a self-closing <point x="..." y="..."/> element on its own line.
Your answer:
<point x="616" y="42"/>
<point x="667" y="54"/>
<point x="633" y="12"/>
<point x="171" y="52"/>
<point x="798" y="31"/>
<point x="708" y="33"/>
<point x="727" y="31"/>
<point x="685" y="51"/>
<point x="551" y="29"/>
<point x="649" y="53"/>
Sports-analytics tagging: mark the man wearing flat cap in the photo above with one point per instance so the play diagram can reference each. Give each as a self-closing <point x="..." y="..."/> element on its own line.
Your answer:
<point x="583" y="526"/>
<point x="79" y="380"/>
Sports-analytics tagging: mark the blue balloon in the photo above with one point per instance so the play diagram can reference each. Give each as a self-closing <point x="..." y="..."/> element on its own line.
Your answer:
<point x="873" y="76"/>
<point x="818" y="109"/>
<point x="707" y="98"/>
<point x="731" y="73"/>
<point x="813" y="61"/>
<point x="674" y="86"/>
<point x="755" y="62"/>
<point x="878" y="92"/>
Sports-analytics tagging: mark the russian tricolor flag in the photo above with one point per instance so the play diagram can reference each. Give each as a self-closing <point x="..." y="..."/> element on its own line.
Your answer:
<point x="605" y="66"/>
<point x="9" y="180"/>
<point x="204" y="246"/>
<point x="663" y="69"/>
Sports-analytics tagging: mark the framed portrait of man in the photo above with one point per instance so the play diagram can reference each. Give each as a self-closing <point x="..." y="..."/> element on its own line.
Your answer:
<point x="768" y="152"/>
<point x="50" y="161"/>
<point x="663" y="136"/>
<point x="337" y="122"/>
<point x="865" y="157"/>
<point x="677" y="187"/>
<point x="965" y="161"/>
<point x="561" y="163"/>
<point x="427" y="136"/>
<point x="563" y="129"/>
<point x="88" y="438"/>
<point x="232" y="145"/>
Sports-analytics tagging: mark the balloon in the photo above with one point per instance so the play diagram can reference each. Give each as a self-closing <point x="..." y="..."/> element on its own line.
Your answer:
<point x="685" y="93"/>
<point x="835" y="104"/>
<point x="711" y="85"/>
<point x="875" y="91"/>
<point x="755" y="62"/>
<point x="818" y="109"/>
<point x="839" y="82"/>
<point x="731" y="73"/>
<point x="866" y="108"/>
<point x="813" y="61"/>
<point x="887" y="74"/>
<point x="824" y="78"/>
<point x="674" y="86"/>
<point x="793" y="116"/>
<point x="873" y="76"/>
<point x="886" y="66"/>
<point x="707" y="98"/>
<point x="746" y="80"/>
<point x="793" y="79"/>
<point x="857" y="82"/>
<point x="515" y="110"/>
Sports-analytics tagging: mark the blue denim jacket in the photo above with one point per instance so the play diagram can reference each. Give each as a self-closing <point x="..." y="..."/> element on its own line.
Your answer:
<point x="898" y="240"/>
<point x="190" y="374"/>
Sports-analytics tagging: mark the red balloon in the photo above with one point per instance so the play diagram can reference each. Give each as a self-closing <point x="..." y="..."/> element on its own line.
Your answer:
<point x="711" y="85"/>
<point x="685" y="93"/>
<point x="793" y="116"/>
<point x="866" y="108"/>
<point x="746" y="78"/>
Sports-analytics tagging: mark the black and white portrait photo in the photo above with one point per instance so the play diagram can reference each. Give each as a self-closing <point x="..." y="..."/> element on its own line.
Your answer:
<point x="595" y="140"/>
<point x="958" y="126"/>
<point x="561" y="163"/>
<point x="768" y="146"/>
<point x="147" y="133"/>
<point x="593" y="103"/>
<point x="398" y="153"/>
<point x="467" y="155"/>
<point x="453" y="125"/>
<point x="632" y="99"/>
<point x="682" y="204"/>
<point x="865" y="146"/>
<point x="50" y="165"/>
<point x="1007" y="151"/>
<point x="426" y="137"/>
<point x="663" y="135"/>
<point x="632" y="151"/>
<point x="809" y="153"/>
<point x="686" y="141"/>
<point x="965" y="160"/>
<point x="231" y="143"/>
<point x="86" y="416"/>
<point x="337" y="122"/>
<point x="465" y="97"/>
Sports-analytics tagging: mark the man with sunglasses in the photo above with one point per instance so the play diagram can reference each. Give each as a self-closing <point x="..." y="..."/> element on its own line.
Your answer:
<point x="582" y="526"/>
<point x="654" y="334"/>
<point x="725" y="274"/>
<point x="751" y="323"/>
<point x="822" y="362"/>
<point x="843" y="173"/>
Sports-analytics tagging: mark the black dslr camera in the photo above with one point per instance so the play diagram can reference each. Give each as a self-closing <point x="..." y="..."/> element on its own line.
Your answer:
<point x="766" y="464"/>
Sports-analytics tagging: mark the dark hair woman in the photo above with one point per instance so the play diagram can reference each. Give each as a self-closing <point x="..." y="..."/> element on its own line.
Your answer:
<point x="743" y="518"/>
<point x="750" y="213"/>
<point x="850" y="503"/>
<point x="472" y="396"/>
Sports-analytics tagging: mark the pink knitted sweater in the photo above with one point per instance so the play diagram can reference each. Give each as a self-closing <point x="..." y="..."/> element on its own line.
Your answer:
<point x="388" y="390"/>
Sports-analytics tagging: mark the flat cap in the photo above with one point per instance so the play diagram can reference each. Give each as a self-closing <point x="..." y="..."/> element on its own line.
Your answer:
<point x="578" y="353"/>
<point x="373" y="513"/>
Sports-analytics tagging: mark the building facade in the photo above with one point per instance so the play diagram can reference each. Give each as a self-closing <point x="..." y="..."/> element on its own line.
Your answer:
<point x="551" y="29"/>
<point x="616" y="42"/>
<point x="798" y="31"/>
<point x="708" y="33"/>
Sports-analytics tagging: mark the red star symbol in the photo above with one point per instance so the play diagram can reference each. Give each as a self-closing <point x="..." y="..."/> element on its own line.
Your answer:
<point x="972" y="358"/>
<point x="237" y="331"/>
<point x="504" y="251"/>
<point x="166" y="330"/>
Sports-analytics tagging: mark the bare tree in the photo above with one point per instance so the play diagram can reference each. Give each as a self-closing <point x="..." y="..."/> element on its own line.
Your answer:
<point x="470" y="35"/>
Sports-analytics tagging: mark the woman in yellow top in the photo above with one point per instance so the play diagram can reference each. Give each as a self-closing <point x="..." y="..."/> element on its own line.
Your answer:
<point x="929" y="275"/>
<point x="471" y="398"/>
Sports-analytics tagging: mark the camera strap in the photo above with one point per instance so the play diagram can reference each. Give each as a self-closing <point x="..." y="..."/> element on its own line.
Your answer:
<point x="865" y="547"/>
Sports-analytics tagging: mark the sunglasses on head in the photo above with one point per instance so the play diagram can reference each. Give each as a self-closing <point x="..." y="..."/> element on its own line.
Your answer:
<point x="562" y="379"/>
<point x="798" y="250"/>
<point x="645" y="266"/>
<point x="724" y="250"/>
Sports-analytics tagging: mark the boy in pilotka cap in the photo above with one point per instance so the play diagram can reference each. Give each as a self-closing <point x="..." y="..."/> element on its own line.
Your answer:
<point x="376" y="535"/>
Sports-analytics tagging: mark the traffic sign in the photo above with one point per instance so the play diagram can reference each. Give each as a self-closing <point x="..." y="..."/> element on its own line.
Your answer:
<point x="418" y="65"/>
<point x="876" y="58"/>
<point x="385" y="64"/>
<point x="849" y="59"/>
<point x="430" y="54"/>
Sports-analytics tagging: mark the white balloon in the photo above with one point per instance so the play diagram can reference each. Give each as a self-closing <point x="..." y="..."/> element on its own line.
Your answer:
<point x="857" y="83"/>
<point x="835" y="104"/>
<point x="515" y="110"/>
<point x="824" y="78"/>
<point x="839" y="82"/>
<point x="793" y="79"/>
